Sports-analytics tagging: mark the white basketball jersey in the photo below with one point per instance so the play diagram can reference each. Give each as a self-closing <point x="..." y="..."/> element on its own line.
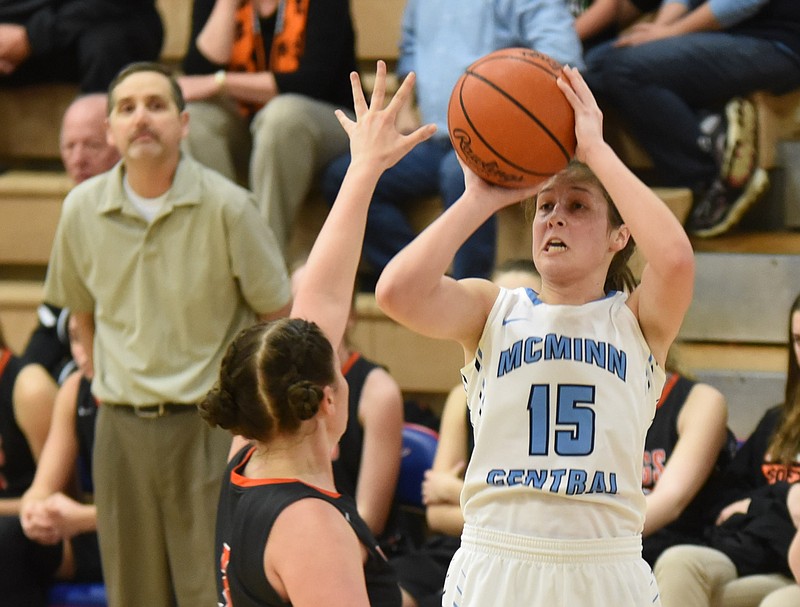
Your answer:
<point x="560" y="399"/>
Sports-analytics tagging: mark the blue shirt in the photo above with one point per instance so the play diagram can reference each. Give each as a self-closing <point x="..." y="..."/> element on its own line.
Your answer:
<point x="441" y="38"/>
<point x="726" y="12"/>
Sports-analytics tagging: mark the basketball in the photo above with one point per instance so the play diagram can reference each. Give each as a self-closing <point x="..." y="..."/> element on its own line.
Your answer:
<point x="508" y="120"/>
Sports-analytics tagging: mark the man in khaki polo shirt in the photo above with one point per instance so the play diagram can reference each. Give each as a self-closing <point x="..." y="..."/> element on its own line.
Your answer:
<point x="162" y="262"/>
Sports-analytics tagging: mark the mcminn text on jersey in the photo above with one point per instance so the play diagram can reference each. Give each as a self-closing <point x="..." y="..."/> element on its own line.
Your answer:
<point x="554" y="347"/>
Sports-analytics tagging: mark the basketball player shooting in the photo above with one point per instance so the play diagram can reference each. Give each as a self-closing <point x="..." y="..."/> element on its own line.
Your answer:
<point x="561" y="384"/>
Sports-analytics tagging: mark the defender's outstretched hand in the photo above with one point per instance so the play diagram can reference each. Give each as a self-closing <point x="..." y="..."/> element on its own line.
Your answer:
<point x="374" y="136"/>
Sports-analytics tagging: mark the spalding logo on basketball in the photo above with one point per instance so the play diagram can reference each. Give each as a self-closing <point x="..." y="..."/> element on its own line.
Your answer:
<point x="508" y="120"/>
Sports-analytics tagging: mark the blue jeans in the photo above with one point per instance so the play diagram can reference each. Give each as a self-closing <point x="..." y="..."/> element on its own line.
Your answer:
<point x="430" y="169"/>
<point x="661" y="88"/>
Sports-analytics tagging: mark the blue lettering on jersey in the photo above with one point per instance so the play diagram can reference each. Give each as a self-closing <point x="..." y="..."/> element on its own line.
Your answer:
<point x="576" y="482"/>
<point x="557" y="476"/>
<point x="561" y="347"/>
<point x="599" y="483"/>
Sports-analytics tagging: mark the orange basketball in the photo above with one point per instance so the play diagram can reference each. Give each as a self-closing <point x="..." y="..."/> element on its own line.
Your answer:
<point x="508" y="120"/>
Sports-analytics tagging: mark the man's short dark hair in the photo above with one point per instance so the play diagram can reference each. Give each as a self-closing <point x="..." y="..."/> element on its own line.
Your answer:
<point x="147" y="66"/>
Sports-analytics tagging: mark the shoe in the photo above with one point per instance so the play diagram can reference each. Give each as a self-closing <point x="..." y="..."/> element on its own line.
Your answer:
<point x="723" y="205"/>
<point x="740" y="153"/>
<point x="730" y="138"/>
<point x="713" y="135"/>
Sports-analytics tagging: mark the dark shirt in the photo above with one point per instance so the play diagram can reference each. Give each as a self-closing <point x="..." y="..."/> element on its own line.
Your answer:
<point x="247" y="510"/>
<point x="55" y="24"/>
<point x="778" y="21"/>
<point x="17" y="466"/>
<point x="757" y="541"/>
<point x="662" y="436"/>
<point x="749" y="471"/>
<point x="328" y="54"/>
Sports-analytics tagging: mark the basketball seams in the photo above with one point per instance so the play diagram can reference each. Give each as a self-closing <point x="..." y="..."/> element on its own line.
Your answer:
<point x="508" y="121"/>
<point x="524" y="109"/>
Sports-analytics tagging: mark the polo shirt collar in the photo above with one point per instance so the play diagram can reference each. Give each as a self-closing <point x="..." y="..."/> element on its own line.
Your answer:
<point x="185" y="191"/>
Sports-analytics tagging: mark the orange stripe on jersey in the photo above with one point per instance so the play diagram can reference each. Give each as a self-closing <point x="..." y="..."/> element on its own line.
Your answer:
<point x="238" y="479"/>
<point x="671" y="381"/>
<point x="4" y="358"/>
<point x="350" y="362"/>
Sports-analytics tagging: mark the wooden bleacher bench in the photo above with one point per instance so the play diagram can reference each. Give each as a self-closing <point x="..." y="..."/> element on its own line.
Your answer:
<point x="30" y="205"/>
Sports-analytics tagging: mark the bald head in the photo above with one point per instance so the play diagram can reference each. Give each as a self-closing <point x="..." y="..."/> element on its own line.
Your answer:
<point x="85" y="151"/>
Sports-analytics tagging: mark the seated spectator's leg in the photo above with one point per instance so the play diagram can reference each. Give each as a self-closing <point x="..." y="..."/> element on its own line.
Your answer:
<point x="26" y="567"/>
<point x="751" y="589"/>
<point x="595" y="59"/>
<point x="692" y="575"/>
<point x="656" y="543"/>
<point x="105" y="48"/>
<point x="475" y="258"/>
<point x="219" y="138"/>
<point x="661" y="86"/>
<point x="294" y="137"/>
<point x="788" y="596"/>
<point x="388" y="229"/>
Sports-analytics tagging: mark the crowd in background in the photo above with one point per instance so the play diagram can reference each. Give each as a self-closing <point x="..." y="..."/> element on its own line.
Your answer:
<point x="170" y="273"/>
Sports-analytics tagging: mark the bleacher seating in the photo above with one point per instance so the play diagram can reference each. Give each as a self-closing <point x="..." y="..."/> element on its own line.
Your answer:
<point x="30" y="203"/>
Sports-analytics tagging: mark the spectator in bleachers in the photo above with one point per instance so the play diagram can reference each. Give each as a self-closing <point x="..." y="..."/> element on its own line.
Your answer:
<point x="597" y="21"/>
<point x="56" y="509"/>
<point x="422" y="571"/>
<point x="263" y="80"/>
<point x="746" y="556"/>
<point x="161" y="262"/>
<point x="77" y="41"/>
<point x="664" y="78"/>
<point x="439" y="40"/>
<point x="85" y="152"/>
<point x="285" y="534"/>
<point x="26" y="402"/>
<point x="687" y="449"/>
<point x="84" y="146"/>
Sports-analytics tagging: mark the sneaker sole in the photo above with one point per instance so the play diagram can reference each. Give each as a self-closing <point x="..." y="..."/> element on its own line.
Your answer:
<point x="756" y="187"/>
<point x="740" y="155"/>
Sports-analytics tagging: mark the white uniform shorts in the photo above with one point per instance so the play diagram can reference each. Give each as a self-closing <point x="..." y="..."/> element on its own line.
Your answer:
<point x="493" y="568"/>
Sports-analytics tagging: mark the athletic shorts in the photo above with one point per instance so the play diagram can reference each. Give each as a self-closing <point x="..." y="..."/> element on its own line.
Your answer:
<point x="496" y="568"/>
